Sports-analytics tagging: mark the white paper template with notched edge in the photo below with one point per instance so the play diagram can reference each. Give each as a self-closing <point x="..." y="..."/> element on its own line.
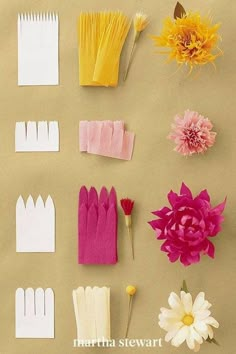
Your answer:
<point x="35" y="225"/>
<point x="34" y="313"/>
<point x="37" y="136"/>
<point x="38" y="49"/>
<point x="92" y="313"/>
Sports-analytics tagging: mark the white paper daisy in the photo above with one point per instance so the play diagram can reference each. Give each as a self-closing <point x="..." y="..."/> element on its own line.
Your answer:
<point x="187" y="320"/>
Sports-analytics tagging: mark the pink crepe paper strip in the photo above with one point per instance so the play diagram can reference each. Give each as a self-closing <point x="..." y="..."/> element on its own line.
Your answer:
<point x="106" y="138"/>
<point x="97" y="226"/>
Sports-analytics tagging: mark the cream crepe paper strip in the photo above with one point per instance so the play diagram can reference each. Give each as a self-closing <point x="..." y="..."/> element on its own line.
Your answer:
<point x="92" y="313"/>
<point x="35" y="225"/>
<point x="38" y="49"/>
<point x="34" y="313"/>
<point x="37" y="136"/>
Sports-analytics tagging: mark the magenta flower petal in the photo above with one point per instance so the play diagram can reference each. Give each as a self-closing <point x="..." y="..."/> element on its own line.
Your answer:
<point x="204" y="195"/>
<point x="186" y="227"/>
<point x="184" y="190"/>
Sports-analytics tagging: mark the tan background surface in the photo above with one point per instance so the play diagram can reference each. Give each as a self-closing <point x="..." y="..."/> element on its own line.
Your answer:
<point x="147" y="102"/>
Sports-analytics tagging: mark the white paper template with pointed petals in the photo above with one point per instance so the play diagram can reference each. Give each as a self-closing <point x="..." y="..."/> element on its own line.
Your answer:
<point x="38" y="49"/>
<point x="92" y="313"/>
<point x="35" y="225"/>
<point x="37" y="136"/>
<point x="34" y="313"/>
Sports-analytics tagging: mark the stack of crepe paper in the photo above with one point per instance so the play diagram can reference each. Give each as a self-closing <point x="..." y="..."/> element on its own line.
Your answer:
<point x="97" y="226"/>
<point x="106" y="138"/>
<point x="101" y="38"/>
<point x="92" y="314"/>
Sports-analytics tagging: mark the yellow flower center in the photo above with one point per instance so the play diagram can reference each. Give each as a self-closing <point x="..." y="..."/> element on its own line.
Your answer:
<point x="188" y="320"/>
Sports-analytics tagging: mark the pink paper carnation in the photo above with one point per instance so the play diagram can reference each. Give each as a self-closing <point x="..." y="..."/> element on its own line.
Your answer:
<point x="192" y="133"/>
<point x="187" y="226"/>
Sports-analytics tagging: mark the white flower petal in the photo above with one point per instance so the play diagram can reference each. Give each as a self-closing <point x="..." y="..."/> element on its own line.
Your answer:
<point x="196" y="336"/>
<point x="190" y="340"/>
<point x="210" y="332"/>
<point x="170" y="314"/>
<point x="170" y="326"/>
<point x="187" y="302"/>
<point x="170" y="335"/>
<point x="211" y="321"/>
<point x="180" y="336"/>
<point x="201" y="329"/>
<point x="202" y="315"/>
<point x="174" y="301"/>
<point x="199" y="301"/>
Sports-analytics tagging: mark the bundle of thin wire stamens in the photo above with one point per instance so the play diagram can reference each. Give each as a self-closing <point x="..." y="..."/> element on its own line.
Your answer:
<point x="101" y="39"/>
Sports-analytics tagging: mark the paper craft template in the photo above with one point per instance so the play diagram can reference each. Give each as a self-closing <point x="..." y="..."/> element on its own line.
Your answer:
<point x="92" y="313"/>
<point x="101" y="37"/>
<point x="35" y="225"/>
<point x="38" y="49"/>
<point x="37" y="136"/>
<point x="34" y="313"/>
<point x="106" y="138"/>
<point x="97" y="226"/>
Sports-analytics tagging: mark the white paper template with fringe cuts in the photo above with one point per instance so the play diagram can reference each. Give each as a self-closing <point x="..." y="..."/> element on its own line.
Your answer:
<point x="92" y="313"/>
<point x="34" y="313"/>
<point x="37" y="136"/>
<point x="35" y="225"/>
<point x="38" y="49"/>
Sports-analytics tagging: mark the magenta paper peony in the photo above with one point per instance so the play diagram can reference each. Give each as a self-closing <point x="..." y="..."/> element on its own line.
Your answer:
<point x="192" y="133"/>
<point x="188" y="225"/>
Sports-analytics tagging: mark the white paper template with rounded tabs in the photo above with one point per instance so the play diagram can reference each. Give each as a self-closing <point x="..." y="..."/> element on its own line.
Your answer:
<point x="34" y="313"/>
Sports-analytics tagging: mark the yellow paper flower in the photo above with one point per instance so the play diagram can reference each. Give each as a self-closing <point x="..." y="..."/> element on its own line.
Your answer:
<point x="140" y="22"/>
<point x="191" y="39"/>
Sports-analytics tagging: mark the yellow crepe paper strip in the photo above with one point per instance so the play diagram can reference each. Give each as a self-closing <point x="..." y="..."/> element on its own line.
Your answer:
<point x="101" y="38"/>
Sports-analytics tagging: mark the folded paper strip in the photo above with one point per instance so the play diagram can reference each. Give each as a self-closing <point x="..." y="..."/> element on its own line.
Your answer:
<point x="38" y="49"/>
<point x="101" y="38"/>
<point x="92" y="313"/>
<point x="97" y="226"/>
<point x="34" y="313"/>
<point x="106" y="138"/>
<point x="35" y="225"/>
<point x="37" y="136"/>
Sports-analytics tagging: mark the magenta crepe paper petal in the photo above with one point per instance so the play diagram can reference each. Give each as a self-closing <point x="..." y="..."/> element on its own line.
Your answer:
<point x="204" y="195"/>
<point x="92" y="197"/>
<point x="111" y="229"/>
<point x="97" y="226"/>
<point x="83" y="211"/>
<point x="103" y="197"/>
<point x="187" y="226"/>
<point x="184" y="190"/>
<point x="112" y="196"/>
<point x="106" y="138"/>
